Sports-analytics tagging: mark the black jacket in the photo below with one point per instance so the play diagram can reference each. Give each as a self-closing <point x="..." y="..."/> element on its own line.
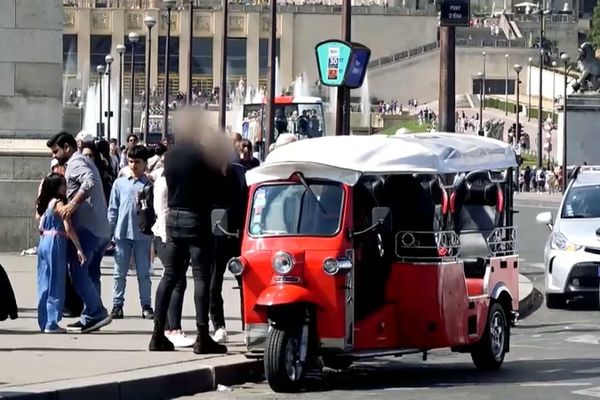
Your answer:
<point x="8" y="303"/>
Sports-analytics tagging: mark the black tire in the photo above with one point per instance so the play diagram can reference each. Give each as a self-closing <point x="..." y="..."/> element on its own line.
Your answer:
<point x="488" y="354"/>
<point x="555" y="301"/>
<point x="283" y="346"/>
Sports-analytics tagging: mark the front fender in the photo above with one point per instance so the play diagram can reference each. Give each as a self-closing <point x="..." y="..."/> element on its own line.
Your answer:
<point x="285" y="294"/>
<point x="499" y="289"/>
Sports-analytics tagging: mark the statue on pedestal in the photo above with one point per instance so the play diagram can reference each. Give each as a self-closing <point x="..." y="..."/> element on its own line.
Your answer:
<point x="589" y="81"/>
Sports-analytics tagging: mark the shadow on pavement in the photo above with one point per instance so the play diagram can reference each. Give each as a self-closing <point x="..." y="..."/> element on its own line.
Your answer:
<point x="395" y="375"/>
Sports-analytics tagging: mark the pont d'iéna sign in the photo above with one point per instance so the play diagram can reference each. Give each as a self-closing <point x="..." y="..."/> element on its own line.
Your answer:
<point x="342" y="63"/>
<point x="454" y="13"/>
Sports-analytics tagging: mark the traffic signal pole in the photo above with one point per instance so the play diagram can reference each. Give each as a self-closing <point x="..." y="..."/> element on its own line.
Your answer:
<point x="342" y="116"/>
<point x="447" y="79"/>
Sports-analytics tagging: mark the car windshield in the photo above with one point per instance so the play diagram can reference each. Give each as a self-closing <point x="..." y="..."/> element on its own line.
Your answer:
<point x="582" y="202"/>
<point x="290" y="209"/>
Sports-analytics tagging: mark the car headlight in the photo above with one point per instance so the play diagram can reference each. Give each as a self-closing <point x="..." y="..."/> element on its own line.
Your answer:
<point x="332" y="266"/>
<point x="283" y="263"/>
<point x="236" y="266"/>
<point x="559" y="242"/>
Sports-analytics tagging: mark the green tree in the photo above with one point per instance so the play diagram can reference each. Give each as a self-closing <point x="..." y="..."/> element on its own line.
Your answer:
<point x="594" y="34"/>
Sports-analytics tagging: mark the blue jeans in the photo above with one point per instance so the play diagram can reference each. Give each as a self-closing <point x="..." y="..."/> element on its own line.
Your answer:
<point x="81" y="275"/>
<point x="94" y="266"/>
<point x="51" y="272"/>
<point x="141" y="253"/>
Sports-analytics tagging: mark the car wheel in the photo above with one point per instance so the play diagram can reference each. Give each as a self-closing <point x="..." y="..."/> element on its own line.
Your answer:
<point x="555" y="301"/>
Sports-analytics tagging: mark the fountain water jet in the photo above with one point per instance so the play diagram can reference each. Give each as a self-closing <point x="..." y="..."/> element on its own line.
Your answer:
<point x="365" y="103"/>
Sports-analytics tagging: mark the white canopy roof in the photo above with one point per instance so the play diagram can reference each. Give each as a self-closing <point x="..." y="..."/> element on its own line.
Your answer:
<point x="346" y="158"/>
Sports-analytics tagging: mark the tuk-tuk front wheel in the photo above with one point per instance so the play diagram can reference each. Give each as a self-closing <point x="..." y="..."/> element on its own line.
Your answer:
<point x="283" y="368"/>
<point x="488" y="354"/>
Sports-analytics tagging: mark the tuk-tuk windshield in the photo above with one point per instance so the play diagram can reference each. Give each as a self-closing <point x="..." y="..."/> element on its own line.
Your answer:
<point x="289" y="209"/>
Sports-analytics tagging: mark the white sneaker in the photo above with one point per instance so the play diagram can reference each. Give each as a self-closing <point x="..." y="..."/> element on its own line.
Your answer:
<point x="58" y="329"/>
<point x="220" y="335"/>
<point x="180" y="339"/>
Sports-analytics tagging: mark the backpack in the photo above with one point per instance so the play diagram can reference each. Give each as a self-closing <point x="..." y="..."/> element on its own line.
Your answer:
<point x="145" y="208"/>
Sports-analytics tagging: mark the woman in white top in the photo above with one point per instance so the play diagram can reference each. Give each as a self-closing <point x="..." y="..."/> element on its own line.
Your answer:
<point x="173" y="329"/>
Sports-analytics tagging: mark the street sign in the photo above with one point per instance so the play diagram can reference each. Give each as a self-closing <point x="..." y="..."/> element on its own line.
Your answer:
<point x="333" y="57"/>
<point x="357" y="67"/>
<point x="455" y="13"/>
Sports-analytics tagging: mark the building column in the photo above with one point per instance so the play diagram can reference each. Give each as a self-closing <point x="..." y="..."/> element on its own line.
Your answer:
<point x="252" y="50"/>
<point x="83" y="49"/>
<point x="217" y="44"/>
<point x="285" y="32"/>
<point x="184" y="45"/>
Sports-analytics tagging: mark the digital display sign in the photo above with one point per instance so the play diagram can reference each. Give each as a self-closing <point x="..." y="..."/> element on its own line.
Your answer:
<point x="357" y="67"/>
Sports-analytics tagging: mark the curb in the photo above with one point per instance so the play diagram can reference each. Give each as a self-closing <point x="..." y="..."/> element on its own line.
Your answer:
<point x="526" y="303"/>
<point x="155" y="383"/>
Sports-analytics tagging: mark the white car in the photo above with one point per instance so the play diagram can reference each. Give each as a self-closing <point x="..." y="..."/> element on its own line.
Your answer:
<point x="572" y="252"/>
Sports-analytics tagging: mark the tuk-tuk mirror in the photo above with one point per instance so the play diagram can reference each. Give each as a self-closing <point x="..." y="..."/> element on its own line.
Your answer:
<point x="219" y="222"/>
<point x="382" y="216"/>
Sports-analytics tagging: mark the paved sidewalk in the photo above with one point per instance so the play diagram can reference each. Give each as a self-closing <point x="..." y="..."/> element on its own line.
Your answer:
<point x="114" y="363"/>
<point x="117" y="357"/>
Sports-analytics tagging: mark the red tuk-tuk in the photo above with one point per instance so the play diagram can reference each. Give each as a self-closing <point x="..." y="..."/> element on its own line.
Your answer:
<point x="365" y="246"/>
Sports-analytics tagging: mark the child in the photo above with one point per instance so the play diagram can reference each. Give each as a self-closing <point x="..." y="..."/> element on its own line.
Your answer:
<point x="129" y="240"/>
<point x="52" y="252"/>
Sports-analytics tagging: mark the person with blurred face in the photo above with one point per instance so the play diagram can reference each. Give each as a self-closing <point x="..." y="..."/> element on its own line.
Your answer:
<point x="188" y="171"/>
<point x="247" y="159"/>
<point x="129" y="240"/>
<point x="132" y="141"/>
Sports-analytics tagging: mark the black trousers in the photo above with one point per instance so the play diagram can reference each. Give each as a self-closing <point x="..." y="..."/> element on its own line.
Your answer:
<point x="176" y="304"/>
<point x="188" y="237"/>
<point x="225" y="249"/>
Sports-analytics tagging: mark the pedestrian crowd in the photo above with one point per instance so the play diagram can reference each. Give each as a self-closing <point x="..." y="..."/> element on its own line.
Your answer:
<point x="140" y="202"/>
<point x="541" y="180"/>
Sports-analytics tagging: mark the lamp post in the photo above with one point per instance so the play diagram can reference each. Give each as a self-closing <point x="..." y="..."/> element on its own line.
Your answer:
<point x="529" y="83"/>
<point x="121" y="50"/>
<point x="540" y="118"/>
<point x="554" y="65"/>
<point x="109" y="60"/>
<point x="169" y="4"/>
<point x="565" y="59"/>
<point x="506" y="88"/>
<point x="191" y="52"/>
<point x="518" y="69"/>
<point x="223" y="85"/>
<point x="150" y="22"/>
<point x="483" y="54"/>
<point x="481" y="77"/>
<point x="133" y="39"/>
<point x="99" y="130"/>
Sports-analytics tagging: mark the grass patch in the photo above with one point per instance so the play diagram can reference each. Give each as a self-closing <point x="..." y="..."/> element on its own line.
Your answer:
<point x="412" y="125"/>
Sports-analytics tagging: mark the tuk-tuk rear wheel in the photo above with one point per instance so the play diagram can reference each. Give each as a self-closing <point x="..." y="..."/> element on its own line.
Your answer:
<point x="283" y="369"/>
<point x="488" y="354"/>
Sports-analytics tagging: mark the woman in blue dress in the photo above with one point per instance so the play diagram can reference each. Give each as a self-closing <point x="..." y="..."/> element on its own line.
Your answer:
<point x="52" y="252"/>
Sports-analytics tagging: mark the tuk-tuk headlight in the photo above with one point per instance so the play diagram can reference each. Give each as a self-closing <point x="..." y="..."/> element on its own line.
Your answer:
<point x="332" y="266"/>
<point x="236" y="266"/>
<point x="283" y="263"/>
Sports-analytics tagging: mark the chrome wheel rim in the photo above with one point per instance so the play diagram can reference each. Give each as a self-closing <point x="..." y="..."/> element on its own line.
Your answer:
<point x="293" y="366"/>
<point x="497" y="334"/>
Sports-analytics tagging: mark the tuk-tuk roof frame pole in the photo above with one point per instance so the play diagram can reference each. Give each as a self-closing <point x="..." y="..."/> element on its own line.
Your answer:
<point x="342" y="116"/>
<point x="271" y="70"/>
<point x="223" y="88"/>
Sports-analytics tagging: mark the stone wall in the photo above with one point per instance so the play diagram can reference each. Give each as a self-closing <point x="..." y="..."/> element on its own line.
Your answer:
<point x="30" y="108"/>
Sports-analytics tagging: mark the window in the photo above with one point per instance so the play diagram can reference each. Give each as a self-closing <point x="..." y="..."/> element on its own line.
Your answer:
<point x="173" y="54"/>
<point x="100" y="46"/>
<point x="263" y="55"/>
<point x="291" y="209"/>
<point x="70" y="54"/>
<point x="582" y="202"/>
<point x="202" y="56"/>
<point x="140" y="55"/>
<point x="236" y="57"/>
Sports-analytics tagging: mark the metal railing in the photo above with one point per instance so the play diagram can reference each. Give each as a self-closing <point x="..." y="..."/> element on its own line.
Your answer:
<point x="502" y="241"/>
<point x="402" y="55"/>
<point x="427" y="246"/>
<point x="553" y="18"/>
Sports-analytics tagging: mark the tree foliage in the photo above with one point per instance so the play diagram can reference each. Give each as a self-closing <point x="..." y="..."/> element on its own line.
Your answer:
<point x="594" y="34"/>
